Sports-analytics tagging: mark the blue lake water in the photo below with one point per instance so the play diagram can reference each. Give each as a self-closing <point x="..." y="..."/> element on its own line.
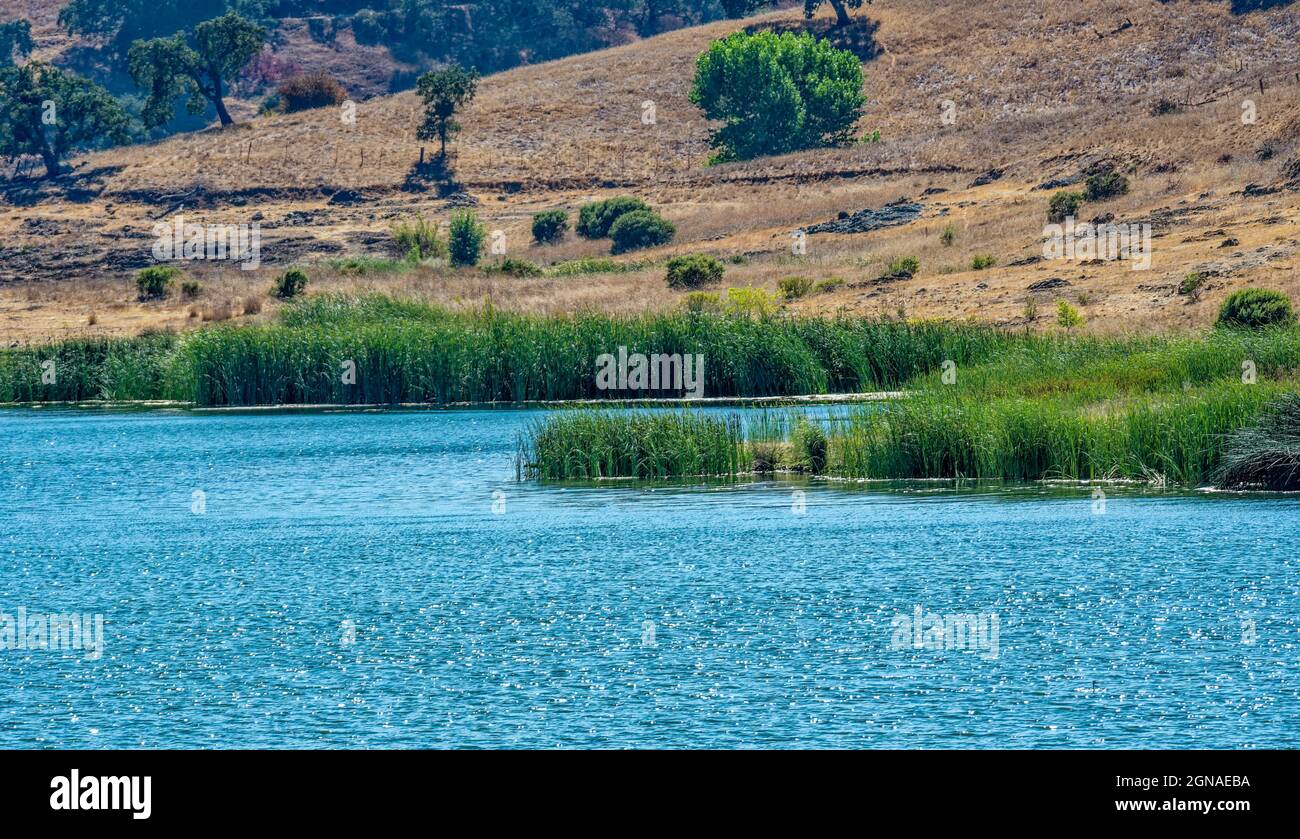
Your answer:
<point x="381" y="580"/>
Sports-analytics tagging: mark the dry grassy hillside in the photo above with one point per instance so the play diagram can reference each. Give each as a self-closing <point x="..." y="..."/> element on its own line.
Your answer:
<point x="1039" y="92"/>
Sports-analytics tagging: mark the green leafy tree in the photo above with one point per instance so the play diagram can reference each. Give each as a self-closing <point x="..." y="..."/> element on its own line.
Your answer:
<point x="777" y="93"/>
<point x="444" y="92"/>
<point x="841" y="8"/>
<point x="49" y="112"/>
<point x="15" y="41"/>
<point x="119" y="23"/>
<point x="197" y="65"/>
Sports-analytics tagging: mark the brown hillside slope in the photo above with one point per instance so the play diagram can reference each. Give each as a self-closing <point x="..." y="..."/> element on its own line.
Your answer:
<point x="1039" y="92"/>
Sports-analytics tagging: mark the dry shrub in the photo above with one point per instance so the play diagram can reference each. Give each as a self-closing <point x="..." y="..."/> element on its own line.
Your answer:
<point x="310" y="90"/>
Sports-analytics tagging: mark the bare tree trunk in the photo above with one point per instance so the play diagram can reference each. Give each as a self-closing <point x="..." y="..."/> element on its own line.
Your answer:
<point x="841" y="13"/>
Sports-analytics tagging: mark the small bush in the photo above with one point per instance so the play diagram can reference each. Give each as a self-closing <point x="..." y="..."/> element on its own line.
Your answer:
<point x="1067" y="316"/>
<point x="693" y="270"/>
<point x="418" y="239"/>
<point x="809" y="440"/>
<point x="702" y="301"/>
<point x="290" y="284"/>
<point x="1107" y="185"/>
<point x="792" y="288"/>
<point x="828" y="285"/>
<point x="549" y="226"/>
<point x="1254" y="308"/>
<point x="465" y="241"/>
<point x="1165" y="106"/>
<point x="980" y="261"/>
<point x="155" y="282"/>
<point x="191" y="289"/>
<point x="1192" y="285"/>
<point x="640" y="229"/>
<point x="902" y="268"/>
<point x="595" y="219"/>
<point x="1063" y="204"/>
<point x="515" y="268"/>
<point x="751" y="302"/>
<point x="310" y="90"/>
<point x="947" y="236"/>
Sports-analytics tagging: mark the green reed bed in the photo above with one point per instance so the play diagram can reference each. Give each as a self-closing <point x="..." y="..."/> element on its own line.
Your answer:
<point x="593" y="444"/>
<point x="377" y="350"/>
<point x="412" y="352"/>
<point x="1058" y="407"/>
<point x="93" y="369"/>
<point x="1176" y="437"/>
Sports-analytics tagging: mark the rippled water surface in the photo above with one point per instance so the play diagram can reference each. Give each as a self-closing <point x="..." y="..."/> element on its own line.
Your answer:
<point x="349" y="584"/>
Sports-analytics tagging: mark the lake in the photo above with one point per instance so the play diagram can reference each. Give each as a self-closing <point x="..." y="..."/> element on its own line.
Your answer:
<point x="380" y="579"/>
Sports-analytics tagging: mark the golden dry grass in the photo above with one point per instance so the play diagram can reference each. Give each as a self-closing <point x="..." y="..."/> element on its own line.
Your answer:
<point x="1040" y="91"/>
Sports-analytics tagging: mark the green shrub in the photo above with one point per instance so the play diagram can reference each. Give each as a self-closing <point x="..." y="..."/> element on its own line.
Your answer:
<point x="980" y="261"/>
<point x="549" y="226"/>
<point x="777" y="93"/>
<point x="693" y="270"/>
<point x="903" y="268"/>
<point x="191" y="289"/>
<point x="792" y="288"/>
<point x="595" y="219"/>
<point x="418" y="239"/>
<point x="810" y="446"/>
<point x="1103" y="186"/>
<point x="465" y="241"/>
<point x="947" y="235"/>
<point x="751" y="302"/>
<point x="1064" y="204"/>
<point x="515" y="268"/>
<point x="640" y="229"/>
<point x="1253" y="308"/>
<point x="1067" y="316"/>
<point x="1192" y="285"/>
<point x="828" y="284"/>
<point x="290" y="284"/>
<point x="155" y="282"/>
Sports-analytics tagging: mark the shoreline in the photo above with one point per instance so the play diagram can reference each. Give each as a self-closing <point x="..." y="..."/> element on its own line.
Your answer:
<point x="712" y="401"/>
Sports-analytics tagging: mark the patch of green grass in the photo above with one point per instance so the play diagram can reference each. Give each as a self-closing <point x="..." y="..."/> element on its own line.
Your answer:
<point x="592" y="265"/>
<point x="589" y="444"/>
